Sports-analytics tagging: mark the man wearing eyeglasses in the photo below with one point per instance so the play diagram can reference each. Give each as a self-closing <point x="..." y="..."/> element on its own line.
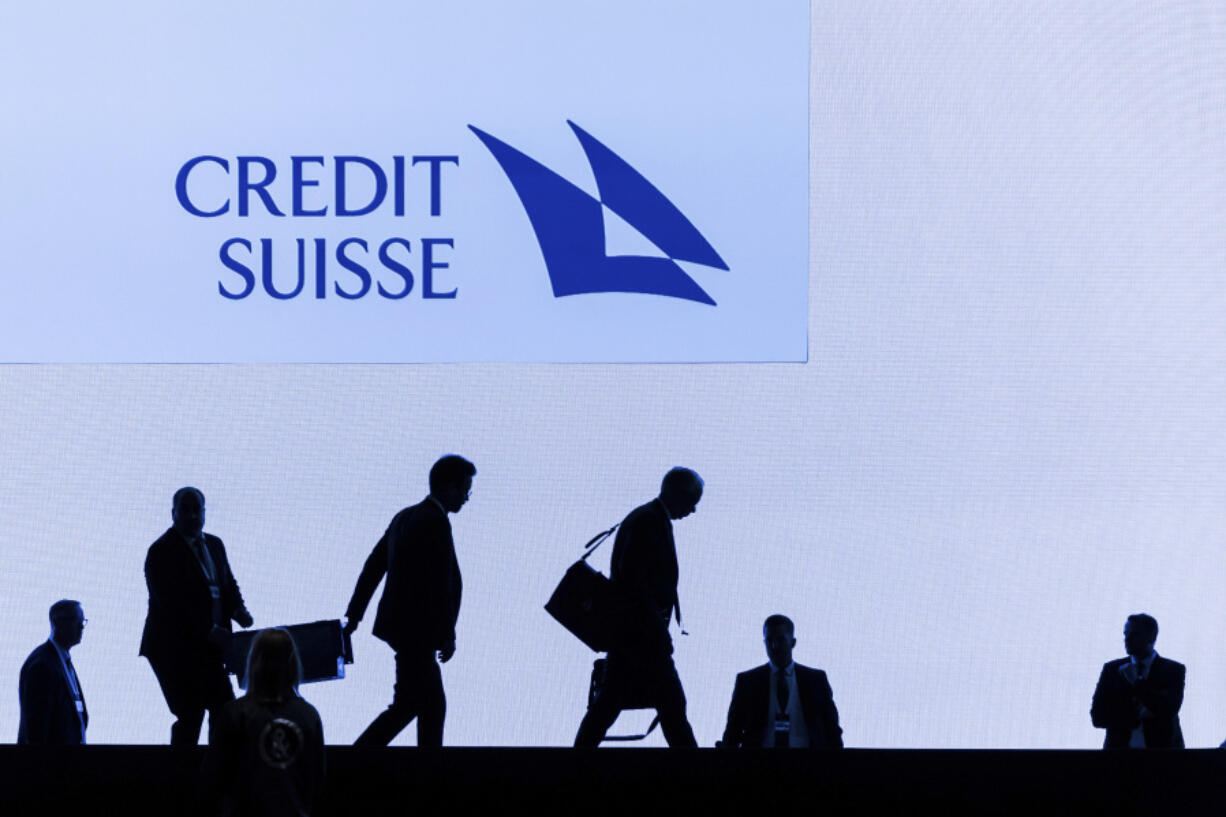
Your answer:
<point x="53" y="709"/>
<point x="420" y="604"/>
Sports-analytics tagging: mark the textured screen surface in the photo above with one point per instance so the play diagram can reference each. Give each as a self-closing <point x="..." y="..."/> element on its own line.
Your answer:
<point x="1007" y="437"/>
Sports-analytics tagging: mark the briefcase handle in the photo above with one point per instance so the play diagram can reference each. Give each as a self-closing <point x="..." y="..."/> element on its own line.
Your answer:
<point x="596" y="541"/>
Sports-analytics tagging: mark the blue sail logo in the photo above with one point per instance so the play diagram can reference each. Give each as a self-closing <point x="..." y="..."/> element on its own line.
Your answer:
<point x="569" y="225"/>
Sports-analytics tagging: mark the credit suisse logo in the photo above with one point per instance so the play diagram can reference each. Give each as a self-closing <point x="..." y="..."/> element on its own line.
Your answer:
<point x="568" y="222"/>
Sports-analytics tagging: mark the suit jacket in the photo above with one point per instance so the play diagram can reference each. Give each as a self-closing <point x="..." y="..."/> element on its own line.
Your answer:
<point x="1115" y="704"/>
<point x="748" y="719"/>
<point x="644" y="568"/>
<point x="421" y="601"/>
<point x="48" y="710"/>
<point x="180" y="606"/>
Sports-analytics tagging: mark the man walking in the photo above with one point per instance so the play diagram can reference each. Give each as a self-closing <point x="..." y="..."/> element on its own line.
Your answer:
<point x="420" y="604"/>
<point x="645" y="571"/>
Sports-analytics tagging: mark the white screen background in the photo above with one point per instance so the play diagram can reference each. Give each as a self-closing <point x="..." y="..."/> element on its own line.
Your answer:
<point x="1007" y="438"/>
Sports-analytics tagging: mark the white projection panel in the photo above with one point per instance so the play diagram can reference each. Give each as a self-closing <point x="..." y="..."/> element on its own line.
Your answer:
<point x="1007" y="436"/>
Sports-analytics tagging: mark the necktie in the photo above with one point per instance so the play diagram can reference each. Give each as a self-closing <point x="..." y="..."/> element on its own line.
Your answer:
<point x="782" y="722"/>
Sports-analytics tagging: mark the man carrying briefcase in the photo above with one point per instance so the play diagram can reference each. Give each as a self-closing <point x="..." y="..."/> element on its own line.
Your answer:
<point x="644" y="570"/>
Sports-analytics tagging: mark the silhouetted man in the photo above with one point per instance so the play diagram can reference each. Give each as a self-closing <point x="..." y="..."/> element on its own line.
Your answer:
<point x="782" y="704"/>
<point x="644" y="569"/>
<point x="192" y="599"/>
<point x="52" y="705"/>
<point x="1137" y="698"/>
<point x="420" y="604"/>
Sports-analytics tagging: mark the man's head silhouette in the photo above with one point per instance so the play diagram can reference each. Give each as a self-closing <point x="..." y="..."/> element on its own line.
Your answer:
<point x="451" y="481"/>
<point x="680" y="491"/>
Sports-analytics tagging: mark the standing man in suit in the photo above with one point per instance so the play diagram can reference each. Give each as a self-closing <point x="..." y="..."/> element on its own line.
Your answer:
<point x="644" y="569"/>
<point x="782" y="704"/>
<point x="1137" y="698"/>
<point x="193" y="597"/>
<point x="52" y="705"/>
<point x="420" y="604"/>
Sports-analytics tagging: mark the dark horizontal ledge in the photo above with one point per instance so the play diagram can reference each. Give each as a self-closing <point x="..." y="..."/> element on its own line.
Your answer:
<point x="149" y="779"/>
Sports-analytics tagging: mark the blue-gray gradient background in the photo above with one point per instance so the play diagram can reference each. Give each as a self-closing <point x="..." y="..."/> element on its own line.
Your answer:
<point x="1008" y="436"/>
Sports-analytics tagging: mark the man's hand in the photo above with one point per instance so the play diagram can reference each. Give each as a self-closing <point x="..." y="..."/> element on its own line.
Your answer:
<point x="244" y="619"/>
<point x="448" y="650"/>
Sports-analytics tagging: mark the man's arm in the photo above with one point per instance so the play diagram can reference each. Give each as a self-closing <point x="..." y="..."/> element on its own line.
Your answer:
<point x="34" y="693"/>
<point x="438" y="551"/>
<point x="1163" y="697"/>
<point x="372" y="573"/>
<point x="1112" y="706"/>
<point x="830" y="713"/>
<point x="237" y="608"/>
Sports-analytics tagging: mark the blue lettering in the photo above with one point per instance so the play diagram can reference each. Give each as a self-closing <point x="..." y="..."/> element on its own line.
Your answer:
<point x="244" y="271"/>
<point x="436" y="179"/>
<point x="429" y="265"/>
<point x="245" y="185"/>
<point x="181" y="187"/>
<point x="354" y="267"/>
<point x="299" y="182"/>
<point x="269" y="287"/>
<point x="342" y="209"/>
<point x="396" y="267"/>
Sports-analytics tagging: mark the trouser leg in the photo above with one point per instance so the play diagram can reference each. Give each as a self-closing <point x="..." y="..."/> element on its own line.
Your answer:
<point x="433" y="709"/>
<point x="670" y="698"/>
<point x="191" y="686"/>
<point x="607" y="705"/>
<point x="415" y="689"/>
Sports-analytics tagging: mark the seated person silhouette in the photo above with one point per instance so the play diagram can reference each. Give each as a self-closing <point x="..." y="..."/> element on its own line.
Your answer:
<point x="52" y="706"/>
<point x="266" y="749"/>
<point x="1137" y="698"/>
<point x="782" y="704"/>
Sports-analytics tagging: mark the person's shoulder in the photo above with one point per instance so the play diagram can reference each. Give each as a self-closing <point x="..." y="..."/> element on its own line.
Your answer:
<point x="306" y="711"/>
<point x="1116" y="663"/>
<point x="811" y="672"/>
<point x="1170" y="663"/>
<point x="167" y="538"/>
<point x="38" y="656"/>
<point x="750" y="674"/>
<point x="425" y="512"/>
<point x="645" y="514"/>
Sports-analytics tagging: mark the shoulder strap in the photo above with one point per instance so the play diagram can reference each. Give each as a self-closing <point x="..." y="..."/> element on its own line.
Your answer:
<point x="596" y="541"/>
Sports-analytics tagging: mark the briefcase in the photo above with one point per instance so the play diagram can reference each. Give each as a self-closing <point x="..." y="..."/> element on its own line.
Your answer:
<point x="587" y="603"/>
<point x="323" y="648"/>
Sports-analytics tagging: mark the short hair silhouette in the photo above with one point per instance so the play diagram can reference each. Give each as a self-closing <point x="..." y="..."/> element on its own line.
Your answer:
<point x="63" y="610"/>
<point x="184" y="491"/>
<point x="1146" y="622"/>
<point x="451" y="469"/>
<point x="681" y="479"/>
<point x="779" y="620"/>
<point x="273" y="667"/>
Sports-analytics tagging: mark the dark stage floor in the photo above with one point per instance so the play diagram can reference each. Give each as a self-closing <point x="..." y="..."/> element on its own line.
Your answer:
<point x="102" y="780"/>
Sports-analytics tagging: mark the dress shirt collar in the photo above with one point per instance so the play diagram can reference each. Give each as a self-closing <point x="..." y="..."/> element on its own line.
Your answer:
<point x="789" y="670"/>
<point x="1145" y="663"/>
